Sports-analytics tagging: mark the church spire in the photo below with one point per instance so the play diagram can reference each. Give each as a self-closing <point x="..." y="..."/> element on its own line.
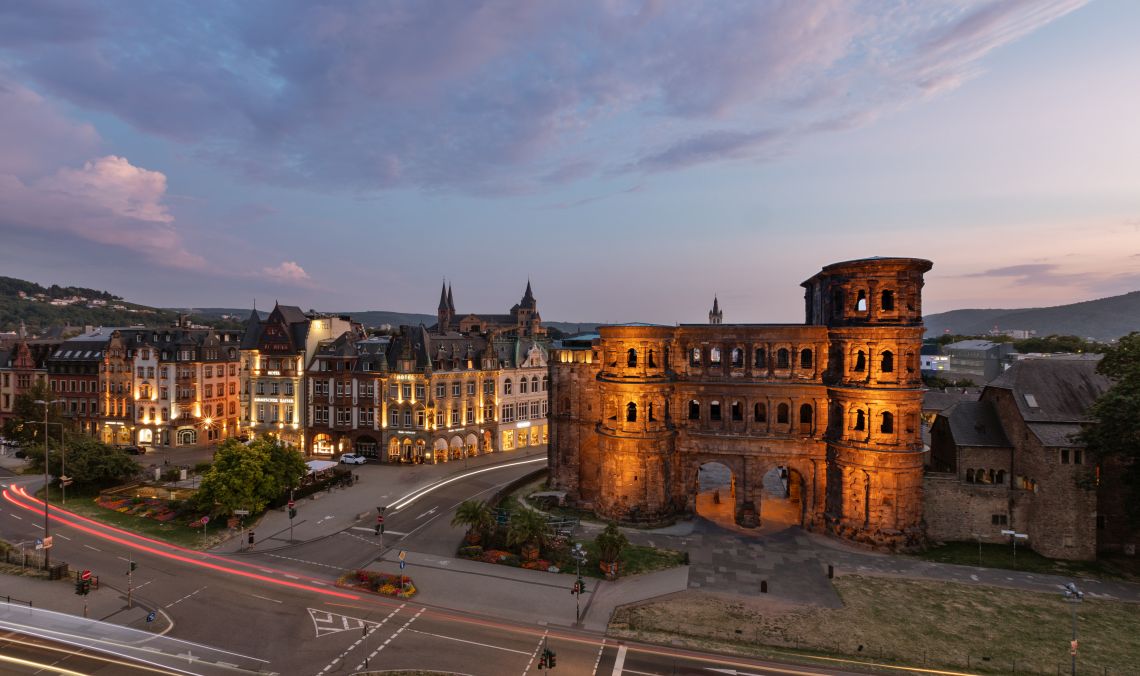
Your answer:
<point x="528" y="297"/>
<point x="443" y="297"/>
<point x="715" y="315"/>
<point x="450" y="301"/>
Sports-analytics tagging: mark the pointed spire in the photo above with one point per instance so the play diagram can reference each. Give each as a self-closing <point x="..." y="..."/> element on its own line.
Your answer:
<point x="450" y="301"/>
<point x="528" y="297"/>
<point x="716" y="304"/>
<point x="715" y="315"/>
<point x="443" y="297"/>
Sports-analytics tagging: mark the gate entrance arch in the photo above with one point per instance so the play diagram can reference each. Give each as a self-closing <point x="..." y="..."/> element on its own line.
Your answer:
<point x="716" y="493"/>
<point x="781" y="498"/>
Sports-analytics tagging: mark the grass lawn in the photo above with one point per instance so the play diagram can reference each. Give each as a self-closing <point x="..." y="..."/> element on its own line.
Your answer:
<point x="82" y="501"/>
<point x="936" y="624"/>
<point x="1001" y="556"/>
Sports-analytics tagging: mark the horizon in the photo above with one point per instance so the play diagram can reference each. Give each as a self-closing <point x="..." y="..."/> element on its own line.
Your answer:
<point x="335" y="156"/>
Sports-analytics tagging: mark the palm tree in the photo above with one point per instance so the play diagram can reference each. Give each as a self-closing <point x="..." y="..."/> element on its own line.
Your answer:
<point x="528" y="529"/>
<point x="476" y="516"/>
<point x="610" y="544"/>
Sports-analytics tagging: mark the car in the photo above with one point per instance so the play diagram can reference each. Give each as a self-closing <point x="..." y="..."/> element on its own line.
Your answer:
<point x="352" y="459"/>
<point x="134" y="450"/>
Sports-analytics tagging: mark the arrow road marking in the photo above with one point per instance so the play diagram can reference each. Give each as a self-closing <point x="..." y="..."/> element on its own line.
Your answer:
<point x="326" y="623"/>
<point x="430" y="511"/>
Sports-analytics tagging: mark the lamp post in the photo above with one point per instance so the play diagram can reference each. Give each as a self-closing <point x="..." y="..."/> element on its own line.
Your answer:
<point x="1073" y="596"/>
<point x="579" y="555"/>
<point x="1014" y="536"/>
<point x="47" y="525"/>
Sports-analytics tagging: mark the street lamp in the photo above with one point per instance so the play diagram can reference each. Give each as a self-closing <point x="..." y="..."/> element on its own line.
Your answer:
<point x="1073" y="596"/>
<point x="1014" y="536"/>
<point x="579" y="555"/>
<point x="47" y="525"/>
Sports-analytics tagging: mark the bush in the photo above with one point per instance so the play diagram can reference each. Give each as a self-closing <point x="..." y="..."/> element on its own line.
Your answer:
<point x="201" y="467"/>
<point x="471" y="552"/>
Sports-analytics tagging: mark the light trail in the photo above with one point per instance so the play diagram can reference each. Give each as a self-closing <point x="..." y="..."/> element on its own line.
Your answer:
<point x="419" y="493"/>
<point x="68" y="651"/>
<point x="186" y="559"/>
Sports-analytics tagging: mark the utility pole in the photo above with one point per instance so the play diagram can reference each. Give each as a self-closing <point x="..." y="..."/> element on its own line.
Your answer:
<point x="579" y="555"/>
<point x="47" y="523"/>
<point x="130" y="579"/>
<point x="292" y="513"/>
<point x="1074" y="597"/>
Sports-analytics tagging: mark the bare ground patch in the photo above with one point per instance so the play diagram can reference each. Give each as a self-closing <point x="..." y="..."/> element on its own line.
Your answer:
<point x="914" y="622"/>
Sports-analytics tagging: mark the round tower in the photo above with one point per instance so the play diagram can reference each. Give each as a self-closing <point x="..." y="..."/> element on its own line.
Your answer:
<point x="635" y="433"/>
<point x="873" y="310"/>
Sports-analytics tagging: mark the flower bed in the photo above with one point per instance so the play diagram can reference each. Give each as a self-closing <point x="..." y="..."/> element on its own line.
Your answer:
<point x="505" y="558"/>
<point x="147" y="508"/>
<point x="385" y="584"/>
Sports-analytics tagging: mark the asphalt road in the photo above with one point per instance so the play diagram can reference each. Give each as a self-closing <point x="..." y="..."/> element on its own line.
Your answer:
<point x="280" y="611"/>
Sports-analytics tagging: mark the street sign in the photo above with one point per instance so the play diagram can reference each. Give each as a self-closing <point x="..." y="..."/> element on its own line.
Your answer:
<point x="402" y="564"/>
<point x="86" y="575"/>
<point x="39" y="543"/>
<point x="403" y="554"/>
<point x="205" y="520"/>
<point x="291" y="503"/>
<point x="241" y="512"/>
<point x="150" y="616"/>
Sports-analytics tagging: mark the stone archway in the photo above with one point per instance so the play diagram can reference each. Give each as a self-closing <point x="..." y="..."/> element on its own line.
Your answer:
<point x="439" y="450"/>
<point x="455" y="449"/>
<point x="472" y="445"/>
<point x="716" y="493"/>
<point x="782" y="498"/>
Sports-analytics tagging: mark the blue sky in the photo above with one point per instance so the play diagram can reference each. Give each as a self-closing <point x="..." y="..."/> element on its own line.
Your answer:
<point x="630" y="158"/>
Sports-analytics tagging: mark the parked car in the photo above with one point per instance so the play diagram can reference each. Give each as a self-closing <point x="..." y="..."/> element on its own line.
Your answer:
<point x="134" y="450"/>
<point x="352" y="459"/>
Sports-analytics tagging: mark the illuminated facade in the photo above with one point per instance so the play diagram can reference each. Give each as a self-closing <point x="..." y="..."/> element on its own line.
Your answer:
<point x="21" y="369"/>
<point x="832" y="406"/>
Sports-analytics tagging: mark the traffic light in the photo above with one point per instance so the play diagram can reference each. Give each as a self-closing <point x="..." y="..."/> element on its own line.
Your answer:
<point x="133" y="566"/>
<point x="80" y="588"/>
<point x="292" y="513"/>
<point x="542" y="661"/>
<point x="551" y="659"/>
<point x="581" y="586"/>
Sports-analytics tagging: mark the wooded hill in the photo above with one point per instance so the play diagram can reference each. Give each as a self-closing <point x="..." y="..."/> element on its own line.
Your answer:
<point x="1102" y="320"/>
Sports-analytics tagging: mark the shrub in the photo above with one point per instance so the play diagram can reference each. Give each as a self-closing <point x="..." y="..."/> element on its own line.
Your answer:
<point x="471" y="552"/>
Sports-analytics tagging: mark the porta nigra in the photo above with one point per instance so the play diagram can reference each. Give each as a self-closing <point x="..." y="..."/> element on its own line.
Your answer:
<point x="825" y="413"/>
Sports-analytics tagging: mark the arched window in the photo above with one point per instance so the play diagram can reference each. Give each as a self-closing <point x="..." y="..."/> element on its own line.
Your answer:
<point x="837" y="302"/>
<point x="888" y="302"/>
<point x="1000" y="477"/>
<point x="534" y="383"/>
<point x="506" y="386"/>
<point x="990" y="477"/>
<point x="888" y="363"/>
<point x="714" y="410"/>
<point x="861" y="301"/>
<point x="805" y="358"/>
<point x="737" y="357"/>
<point x="652" y="413"/>
<point x="761" y="358"/>
<point x="860" y="362"/>
<point x="737" y="411"/>
<point x="760" y="413"/>
<point x="545" y="382"/>
<point x="651" y="361"/>
<point x="805" y="414"/>
<point x="695" y="357"/>
<point x="694" y="410"/>
<point x="888" y="426"/>
<point x="969" y="476"/>
<point x="631" y="412"/>
<point x="782" y="414"/>
<point x="714" y="356"/>
<point x="522" y="385"/>
<point x="860" y="420"/>
<point x="631" y="358"/>
<point x="782" y="358"/>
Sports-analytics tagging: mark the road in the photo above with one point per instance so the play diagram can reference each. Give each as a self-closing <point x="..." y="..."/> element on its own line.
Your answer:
<point x="280" y="611"/>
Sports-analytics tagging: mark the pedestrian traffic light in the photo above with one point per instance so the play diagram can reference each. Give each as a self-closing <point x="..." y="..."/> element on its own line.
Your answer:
<point x="133" y="566"/>
<point x="542" y="661"/>
<point x="292" y="513"/>
<point x="251" y="537"/>
<point x="79" y="587"/>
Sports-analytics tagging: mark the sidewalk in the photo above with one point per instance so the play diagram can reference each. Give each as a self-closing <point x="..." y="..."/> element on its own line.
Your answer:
<point x="524" y="595"/>
<point x="105" y="604"/>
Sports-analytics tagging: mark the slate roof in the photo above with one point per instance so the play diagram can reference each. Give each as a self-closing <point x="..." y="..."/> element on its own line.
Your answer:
<point x="1061" y="389"/>
<point x="940" y="400"/>
<point x="1056" y="435"/>
<point x="975" y="423"/>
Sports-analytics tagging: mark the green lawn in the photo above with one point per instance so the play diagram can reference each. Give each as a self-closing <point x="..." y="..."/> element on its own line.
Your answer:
<point x="1002" y="556"/>
<point x="82" y="501"/>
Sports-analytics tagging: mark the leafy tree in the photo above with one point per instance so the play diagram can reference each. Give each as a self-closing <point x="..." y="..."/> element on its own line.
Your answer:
<point x="236" y="480"/>
<point x="1114" y="435"/>
<point x="89" y="462"/>
<point x="527" y="528"/>
<point x="284" y="465"/>
<point x="610" y="543"/>
<point x="27" y="422"/>
<point x="476" y="516"/>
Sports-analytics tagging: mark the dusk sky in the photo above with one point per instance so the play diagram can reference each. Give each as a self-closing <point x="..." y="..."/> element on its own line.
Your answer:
<point x="630" y="158"/>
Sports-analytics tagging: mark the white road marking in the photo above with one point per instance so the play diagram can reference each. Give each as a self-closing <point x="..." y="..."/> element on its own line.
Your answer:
<point x="38" y="526"/>
<point x="619" y="662"/>
<point x="390" y="639"/>
<point x="266" y="598"/>
<point x="535" y="653"/>
<point x="360" y="640"/>
<point x="61" y="535"/>
<point x="463" y="640"/>
<point x="16" y="517"/>
<point x="433" y="510"/>
<point x="173" y="603"/>
<point x="598" y="659"/>
<point x="93" y="548"/>
<point x="373" y="530"/>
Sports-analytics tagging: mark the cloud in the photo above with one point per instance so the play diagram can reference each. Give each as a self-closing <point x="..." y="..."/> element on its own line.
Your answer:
<point x="36" y="138"/>
<point x="107" y="201"/>
<point x="506" y="95"/>
<point x="288" y="271"/>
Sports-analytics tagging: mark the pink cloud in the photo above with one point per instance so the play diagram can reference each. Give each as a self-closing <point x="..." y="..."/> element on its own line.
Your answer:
<point x="288" y="271"/>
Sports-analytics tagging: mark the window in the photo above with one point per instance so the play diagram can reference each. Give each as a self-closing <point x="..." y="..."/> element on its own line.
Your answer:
<point x="860" y="420"/>
<point x="888" y="300"/>
<point x="631" y="358"/>
<point x="888" y="425"/>
<point x="456" y="389"/>
<point x="805" y="414"/>
<point x="440" y="390"/>
<point x="407" y="418"/>
<point x="488" y="387"/>
<point x="999" y="478"/>
<point x="471" y="389"/>
<point x="508" y="413"/>
<point x="805" y="358"/>
<point x="421" y="416"/>
<point x="651" y="361"/>
<point x="887" y="364"/>
<point x="861" y="301"/>
<point x="394" y="418"/>
<point x="141" y="372"/>
<point x="1077" y="456"/>
<point x="969" y="476"/>
<point x="737" y="411"/>
<point x="544" y="383"/>
<point x="439" y="418"/>
<point x="406" y="391"/>
<point x="470" y="415"/>
<point x="522" y="385"/>
<point x="1064" y="456"/>
<point x="760" y="413"/>
<point x="761" y="360"/>
<point x="860" y="362"/>
<point x="694" y="410"/>
<point x="783" y="358"/>
<point x="534" y="383"/>
<point x="507" y="386"/>
<point x="1000" y="519"/>
<point x="455" y="417"/>
<point x="714" y="356"/>
<point x="714" y="410"/>
<point x="782" y="414"/>
<point x="695" y="357"/>
<point x="419" y="391"/>
<point x="737" y="357"/>
<point x="394" y="390"/>
<point x="631" y="412"/>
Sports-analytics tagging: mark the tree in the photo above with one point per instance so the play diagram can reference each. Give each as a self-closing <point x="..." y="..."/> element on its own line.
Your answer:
<point x="1114" y="435"/>
<point x="89" y="461"/>
<point x="527" y="529"/>
<point x="284" y="465"/>
<point x="236" y="480"/>
<point x="27" y="422"/>
<point x="476" y="516"/>
<point x="610" y="543"/>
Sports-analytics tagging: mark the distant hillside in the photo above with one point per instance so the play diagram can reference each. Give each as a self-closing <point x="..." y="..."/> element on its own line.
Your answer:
<point x="1102" y="319"/>
<point x="376" y="318"/>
